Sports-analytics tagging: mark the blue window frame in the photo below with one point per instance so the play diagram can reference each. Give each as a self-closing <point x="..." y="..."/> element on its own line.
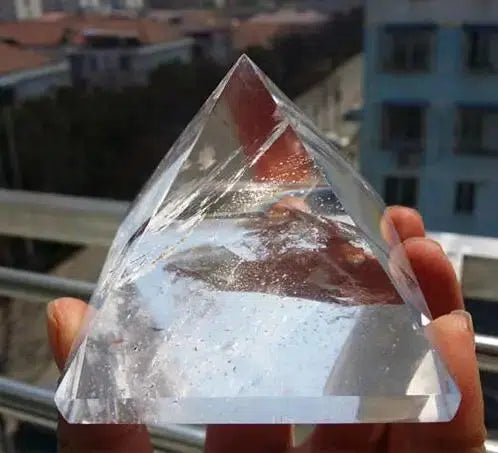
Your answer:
<point x="477" y="129"/>
<point x="408" y="48"/>
<point x="404" y="126"/>
<point x="481" y="48"/>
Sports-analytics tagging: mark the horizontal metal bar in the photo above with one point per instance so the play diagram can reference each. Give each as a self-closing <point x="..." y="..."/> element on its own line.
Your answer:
<point x="38" y="287"/>
<point x="91" y="221"/>
<point x="488" y="364"/>
<point x="60" y="218"/>
<point x="35" y="405"/>
<point x="491" y="446"/>
<point x="487" y="353"/>
<point x="43" y="287"/>
<point x="27" y="403"/>
<point x="486" y="344"/>
<point x="479" y="278"/>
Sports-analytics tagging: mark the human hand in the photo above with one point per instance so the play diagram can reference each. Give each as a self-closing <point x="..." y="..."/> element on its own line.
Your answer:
<point x="452" y="333"/>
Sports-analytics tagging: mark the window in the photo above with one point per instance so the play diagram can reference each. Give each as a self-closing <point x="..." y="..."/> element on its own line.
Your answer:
<point x="76" y="61"/>
<point x="92" y="62"/>
<point x="477" y="130"/>
<point x="464" y="199"/>
<point x="482" y="48"/>
<point x="7" y="96"/>
<point x="401" y="191"/>
<point x="175" y="20"/>
<point x="408" y="48"/>
<point x="403" y="127"/>
<point x="124" y="62"/>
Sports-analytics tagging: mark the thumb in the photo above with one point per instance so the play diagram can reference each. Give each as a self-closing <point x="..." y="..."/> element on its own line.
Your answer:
<point x="64" y="319"/>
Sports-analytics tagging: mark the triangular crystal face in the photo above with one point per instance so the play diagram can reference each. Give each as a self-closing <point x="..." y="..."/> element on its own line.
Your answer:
<point x="256" y="279"/>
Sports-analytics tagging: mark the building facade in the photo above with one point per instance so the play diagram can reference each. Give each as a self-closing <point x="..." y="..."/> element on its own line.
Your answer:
<point x="20" y="9"/>
<point x="26" y="74"/>
<point x="36" y="82"/>
<point x="114" y="59"/>
<point x="210" y="31"/>
<point x="430" y="117"/>
<point x="66" y="6"/>
<point x="330" y="102"/>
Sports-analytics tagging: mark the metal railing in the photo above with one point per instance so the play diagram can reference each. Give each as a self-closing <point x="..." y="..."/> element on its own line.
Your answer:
<point x="34" y="405"/>
<point x="94" y="222"/>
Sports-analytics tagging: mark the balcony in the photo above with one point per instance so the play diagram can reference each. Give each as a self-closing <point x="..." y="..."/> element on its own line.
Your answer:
<point x="93" y="222"/>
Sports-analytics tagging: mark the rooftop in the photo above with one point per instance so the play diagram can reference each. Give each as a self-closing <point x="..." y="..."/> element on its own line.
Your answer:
<point x="60" y="28"/>
<point x="13" y="58"/>
<point x="262" y="28"/>
<point x="290" y="17"/>
<point x="190" y="20"/>
<point x="249" y="34"/>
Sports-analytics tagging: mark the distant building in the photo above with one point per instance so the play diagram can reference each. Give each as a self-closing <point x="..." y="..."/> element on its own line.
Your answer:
<point x="103" y="50"/>
<point x="129" y="5"/>
<point x="43" y="36"/>
<point x="210" y="31"/>
<point x="330" y="102"/>
<point x="26" y="74"/>
<point x="115" y="52"/>
<point x="262" y="29"/>
<point x="96" y="6"/>
<point x="430" y="120"/>
<point x="20" y="9"/>
<point x="67" y="6"/>
<point x="115" y="58"/>
<point x="331" y="6"/>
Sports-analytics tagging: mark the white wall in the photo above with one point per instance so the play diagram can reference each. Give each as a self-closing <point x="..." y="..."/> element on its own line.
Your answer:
<point x="92" y="4"/>
<point x="28" y="9"/>
<point x="221" y="46"/>
<point x="107" y="71"/>
<point x="37" y="82"/>
<point x="330" y="99"/>
<point x="133" y="4"/>
<point x="450" y="12"/>
<point x="148" y="58"/>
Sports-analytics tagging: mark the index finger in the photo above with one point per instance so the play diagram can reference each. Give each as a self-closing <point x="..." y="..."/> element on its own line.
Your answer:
<point x="454" y="337"/>
<point x="64" y="318"/>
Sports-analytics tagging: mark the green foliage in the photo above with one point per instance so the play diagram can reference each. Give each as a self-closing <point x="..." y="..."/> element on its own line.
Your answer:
<point x="106" y="143"/>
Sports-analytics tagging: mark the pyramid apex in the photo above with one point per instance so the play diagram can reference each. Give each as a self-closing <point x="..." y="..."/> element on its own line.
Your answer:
<point x="245" y="62"/>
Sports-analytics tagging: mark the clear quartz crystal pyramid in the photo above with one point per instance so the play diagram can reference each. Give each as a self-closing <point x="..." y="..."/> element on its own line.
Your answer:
<point x="256" y="279"/>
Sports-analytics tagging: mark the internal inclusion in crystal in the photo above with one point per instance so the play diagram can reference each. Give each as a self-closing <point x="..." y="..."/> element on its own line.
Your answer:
<point x="256" y="279"/>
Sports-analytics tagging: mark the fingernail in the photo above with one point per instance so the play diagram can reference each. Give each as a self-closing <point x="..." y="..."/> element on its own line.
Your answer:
<point x="426" y="241"/>
<point x="51" y="310"/>
<point x="53" y="331"/>
<point x="467" y="317"/>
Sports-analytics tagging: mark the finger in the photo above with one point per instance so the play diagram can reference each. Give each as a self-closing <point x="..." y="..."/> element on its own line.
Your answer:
<point x="64" y="319"/>
<point x="248" y="438"/>
<point x="435" y="275"/>
<point x="406" y="221"/>
<point x="440" y="287"/>
<point x="454" y="338"/>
